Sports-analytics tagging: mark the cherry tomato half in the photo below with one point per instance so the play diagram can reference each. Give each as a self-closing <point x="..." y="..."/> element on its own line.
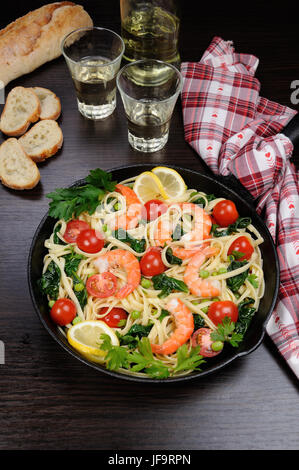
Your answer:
<point x="243" y="245"/>
<point x="63" y="311"/>
<point x="225" y="213"/>
<point x="202" y="338"/>
<point x="90" y="241"/>
<point x="151" y="263"/>
<point x="224" y="308"/>
<point x="101" y="285"/>
<point x="155" y="208"/>
<point x="115" y="315"/>
<point x="73" y="228"/>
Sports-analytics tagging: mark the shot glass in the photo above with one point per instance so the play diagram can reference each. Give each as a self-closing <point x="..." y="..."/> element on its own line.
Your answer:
<point x="93" y="56"/>
<point x="149" y="90"/>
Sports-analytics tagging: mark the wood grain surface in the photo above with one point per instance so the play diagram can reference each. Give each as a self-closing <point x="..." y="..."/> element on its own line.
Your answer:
<point x="49" y="400"/>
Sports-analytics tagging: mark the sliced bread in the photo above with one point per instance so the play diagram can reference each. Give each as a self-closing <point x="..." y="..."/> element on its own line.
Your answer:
<point x="50" y="103"/>
<point x="22" y="107"/>
<point x="17" y="170"/>
<point x="43" y="140"/>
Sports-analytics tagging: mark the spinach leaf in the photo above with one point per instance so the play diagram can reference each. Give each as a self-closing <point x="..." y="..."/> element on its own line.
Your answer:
<point x="72" y="261"/>
<point x="171" y="258"/>
<point x="81" y="295"/>
<point x="234" y="283"/>
<point x="168" y="284"/>
<point x="177" y="233"/>
<point x="246" y="314"/>
<point x="134" y="334"/>
<point x="136" y="245"/>
<point x="49" y="282"/>
<point x="201" y="201"/>
<point x="198" y="321"/>
<point x="56" y="239"/>
<point x="164" y="313"/>
<point x="241" y="222"/>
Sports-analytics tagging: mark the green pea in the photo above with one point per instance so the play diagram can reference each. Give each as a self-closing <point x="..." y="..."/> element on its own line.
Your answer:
<point x="204" y="273"/>
<point x="215" y="273"/>
<point x="146" y="283"/>
<point x="217" y="346"/>
<point x="121" y="323"/>
<point x="215" y="299"/>
<point x="205" y="309"/>
<point x="222" y="270"/>
<point x="105" y="228"/>
<point x="79" y="287"/>
<point x="195" y="302"/>
<point x="51" y="303"/>
<point x="117" y="206"/>
<point x="135" y="314"/>
<point x="237" y="295"/>
<point x="76" y="320"/>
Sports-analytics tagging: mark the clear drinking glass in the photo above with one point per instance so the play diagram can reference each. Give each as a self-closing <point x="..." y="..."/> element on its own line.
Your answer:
<point x="149" y="90"/>
<point x="150" y="29"/>
<point x="93" y="56"/>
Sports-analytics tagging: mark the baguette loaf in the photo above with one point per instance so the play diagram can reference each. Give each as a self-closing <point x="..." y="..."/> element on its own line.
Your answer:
<point x="17" y="170"/>
<point x="43" y="140"/>
<point x="35" y="38"/>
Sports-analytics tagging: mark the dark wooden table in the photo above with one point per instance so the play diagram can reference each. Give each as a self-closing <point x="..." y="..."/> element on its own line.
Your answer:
<point x="49" y="400"/>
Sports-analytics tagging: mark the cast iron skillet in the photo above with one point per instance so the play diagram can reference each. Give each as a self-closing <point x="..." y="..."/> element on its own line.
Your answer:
<point x="193" y="179"/>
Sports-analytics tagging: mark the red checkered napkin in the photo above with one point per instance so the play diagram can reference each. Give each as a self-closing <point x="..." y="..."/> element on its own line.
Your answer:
<point x="236" y="131"/>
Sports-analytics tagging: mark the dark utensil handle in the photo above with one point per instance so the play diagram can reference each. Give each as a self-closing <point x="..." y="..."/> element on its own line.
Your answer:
<point x="291" y="130"/>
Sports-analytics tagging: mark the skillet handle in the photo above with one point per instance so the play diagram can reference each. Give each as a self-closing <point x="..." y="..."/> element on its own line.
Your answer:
<point x="232" y="182"/>
<point x="291" y="130"/>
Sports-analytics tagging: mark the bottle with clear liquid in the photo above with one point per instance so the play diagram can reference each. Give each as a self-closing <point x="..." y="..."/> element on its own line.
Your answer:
<point x="150" y="30"/>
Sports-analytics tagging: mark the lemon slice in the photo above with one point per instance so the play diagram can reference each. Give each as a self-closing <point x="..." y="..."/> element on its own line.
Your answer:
<point x="85" y="337"/>
<point x="148" y="186"/>
<point x="172" y="182"/>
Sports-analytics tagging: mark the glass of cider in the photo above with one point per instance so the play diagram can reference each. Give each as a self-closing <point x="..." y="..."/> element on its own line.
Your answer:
<point x="93" y="56"/>
<point x="149" y="90"/>
<point x="150" y="29"/>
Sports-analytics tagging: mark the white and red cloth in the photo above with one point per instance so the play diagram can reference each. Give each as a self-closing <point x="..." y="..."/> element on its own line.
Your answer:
<point x="236" y="131"/>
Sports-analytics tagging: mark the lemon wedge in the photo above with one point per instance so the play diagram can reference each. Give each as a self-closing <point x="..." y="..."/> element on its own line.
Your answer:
<point x="172" y="182"/>
<point x="85" y="337"/>
<point x="148" y="186"/>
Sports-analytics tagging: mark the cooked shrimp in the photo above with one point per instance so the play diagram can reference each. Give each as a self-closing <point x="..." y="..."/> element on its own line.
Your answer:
<point x="183" y="253"/>
<point x="198" y="286"/>
<point x="201" y="230"/>
<point x="121" y="259"/>
<point x="135" y="210"/>
<point x="202" y="222"/>
<point x="183" y="331"/>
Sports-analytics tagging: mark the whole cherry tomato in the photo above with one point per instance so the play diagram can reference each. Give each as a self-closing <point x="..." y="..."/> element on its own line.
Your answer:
<point x="225" y="213"/>
<point x="242" y="245"/>
<point x="90" y="241"/>
<point x="225" y="308"/>
<point x="151" y="263"/>
<point x="115" y="315"/>
<point x="73" y="228"/>
<point x="63" y="312"/>
<point x="155" y="208"/>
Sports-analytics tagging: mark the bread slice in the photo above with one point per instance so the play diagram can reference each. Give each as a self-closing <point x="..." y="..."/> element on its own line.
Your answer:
<point x="22" y="107"/>
<point x="17" y="170"/>
<point x="43" y="140"/>
<point x="50" y="103"/>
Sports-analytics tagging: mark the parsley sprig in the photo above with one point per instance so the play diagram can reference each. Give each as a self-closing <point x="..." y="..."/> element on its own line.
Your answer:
<point x="143" y="360"/>
<point x="71" y="202"/>
<point x="226" y="332"/>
